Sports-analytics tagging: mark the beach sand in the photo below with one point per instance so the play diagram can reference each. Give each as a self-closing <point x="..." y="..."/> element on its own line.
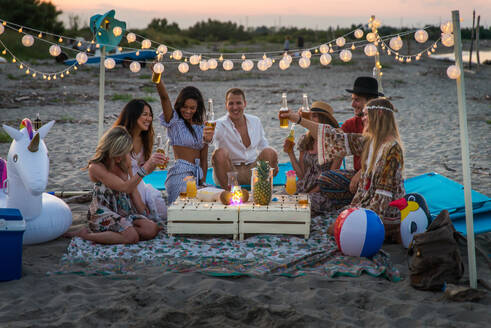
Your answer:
<point x="428" y="122"/>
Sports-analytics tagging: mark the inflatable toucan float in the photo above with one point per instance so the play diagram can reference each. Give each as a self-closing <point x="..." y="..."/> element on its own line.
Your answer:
<point x="415" y="216"/>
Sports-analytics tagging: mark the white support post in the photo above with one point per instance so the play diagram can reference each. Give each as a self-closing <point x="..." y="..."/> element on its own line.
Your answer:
<point x="464" y="143"/>
<point x="102" y="72"/>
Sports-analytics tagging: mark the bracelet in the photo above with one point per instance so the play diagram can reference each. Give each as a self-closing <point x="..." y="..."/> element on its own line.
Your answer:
<point x="141" y="172"/>
<point x="299" y="119"/>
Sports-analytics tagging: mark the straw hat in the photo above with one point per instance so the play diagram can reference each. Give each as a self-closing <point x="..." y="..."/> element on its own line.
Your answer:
<point x="322" y="108"/>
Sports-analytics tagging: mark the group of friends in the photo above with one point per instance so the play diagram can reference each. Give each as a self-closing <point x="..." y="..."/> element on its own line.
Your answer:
<point x="124" y="209"/>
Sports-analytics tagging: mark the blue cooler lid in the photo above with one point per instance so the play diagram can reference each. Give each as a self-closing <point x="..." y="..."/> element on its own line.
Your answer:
<point x="11" y="220"/>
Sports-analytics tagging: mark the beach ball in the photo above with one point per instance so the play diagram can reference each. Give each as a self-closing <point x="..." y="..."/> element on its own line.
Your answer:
<point x="359" y="232"/>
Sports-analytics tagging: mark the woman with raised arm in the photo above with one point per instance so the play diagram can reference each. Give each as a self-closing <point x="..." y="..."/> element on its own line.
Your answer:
<point x="184" y="125"/>
<point x="117" y="214"/>
<point x="382" y="161"/>
<point x="137" y="118"/>
<point x="307" y="165"/>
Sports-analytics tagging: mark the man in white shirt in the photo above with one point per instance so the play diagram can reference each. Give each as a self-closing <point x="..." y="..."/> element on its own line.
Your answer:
<point x="239" y="142"/>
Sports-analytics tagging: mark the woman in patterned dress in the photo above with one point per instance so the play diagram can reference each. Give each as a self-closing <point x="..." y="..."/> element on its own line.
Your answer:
<point x="117" y="213"/>
<point x="381" y="153"/>
<point x="307" y="166"/>
<point x="184" y="125"/>
<point x="137" y="118"/>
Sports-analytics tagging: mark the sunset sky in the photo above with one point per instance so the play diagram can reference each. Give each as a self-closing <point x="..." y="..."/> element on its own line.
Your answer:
<point x="301" y="13"/>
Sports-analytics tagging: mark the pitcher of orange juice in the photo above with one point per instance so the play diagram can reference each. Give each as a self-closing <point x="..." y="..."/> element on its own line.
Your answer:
<point x="291" y="182"/>
<point x="191" y="189"/>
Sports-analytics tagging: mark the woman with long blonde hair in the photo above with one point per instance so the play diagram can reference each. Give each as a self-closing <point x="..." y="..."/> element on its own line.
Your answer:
<point x="117" y="214"/>
<point x="382" y="160"/>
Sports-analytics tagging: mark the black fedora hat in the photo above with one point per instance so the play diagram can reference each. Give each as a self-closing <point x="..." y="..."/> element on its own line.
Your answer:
<point x="366" y="85"/>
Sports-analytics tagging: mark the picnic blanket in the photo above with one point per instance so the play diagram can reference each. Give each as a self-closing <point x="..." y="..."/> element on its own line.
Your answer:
<point x="258" y="256"/>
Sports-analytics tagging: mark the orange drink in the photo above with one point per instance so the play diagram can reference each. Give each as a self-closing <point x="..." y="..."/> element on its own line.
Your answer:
<point x="291" y="182"/>
<point x="191" y="189"/>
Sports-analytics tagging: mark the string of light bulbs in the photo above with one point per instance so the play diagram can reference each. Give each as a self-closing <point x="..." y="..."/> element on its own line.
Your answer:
<point x="206" y="61"/>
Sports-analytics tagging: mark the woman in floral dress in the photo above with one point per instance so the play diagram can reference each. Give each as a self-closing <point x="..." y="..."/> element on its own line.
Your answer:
<point x="307" y="165"/>
<point x="382" y="160"/>
<point x="117" y="214"/>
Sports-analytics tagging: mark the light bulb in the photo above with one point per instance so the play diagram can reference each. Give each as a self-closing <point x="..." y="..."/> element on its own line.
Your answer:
<point x="284" y="64"/>
<point x="221" y="58"/>
<point x="212" y="63"/>
<point x="109" y="63"/>
<point x="261" y="65"/>
<point x="137" y="53"/>
<point x="81" y="58"/>
<point x="243" y="57"/>
<point x="306" y="54"/>
<point x="33" y="74"/>
<point x="203" y="65"/>
<point x="358" y="33"/>
<point x="61" y="75"/>
<point x="20" y="30"/>
<point x="135" y="67"/>
<point x="67" y="72"/>
<point x="158" y="68"/>
<point x="54" y="77"/>
<point x="421" y="36"/>
<point x="183" y="67"/>
<point x="146" y="44"/>
<point x="353" y="46"/>
<point x="345" y="55"/>
<point x="4" y="52"/>
<point x="453" y="72"/>
<point x="370" y="50"/>
<point x="395" y="43"/>
<point x="247" y="65"/>
<point x="325" y="59"/>
<point x="162" y="49"/>
<point x="49" y="77"/>
<point x="60" y="40"/>
<point x="228" y="65"/>
<point x="177" y="54"/>
<point x="376" y="23"/>
<point x="340" y="42"/>
<point x="55" y="50"/>
<point x="304" y="62"/>
<point x="447" y="39"/>
<point x="40" y="35"/>
<point x="447" y="27"/>
<point x="21" y="66"/>
<point x="371" y="37"/>
<point x="27" y="40"/>
<point x="194" y="60"/>
<point x="324" y="48"/>
<point x="131" y="37"/>
<point x="117" y="30"/>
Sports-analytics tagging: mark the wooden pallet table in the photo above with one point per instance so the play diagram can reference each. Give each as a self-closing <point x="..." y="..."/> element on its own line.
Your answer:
<point x="284" y="216"/>
<point x="188" y="217"/>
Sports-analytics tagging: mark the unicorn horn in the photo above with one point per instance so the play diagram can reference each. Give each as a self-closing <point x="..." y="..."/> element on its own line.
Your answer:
<point x="34" y="144"/>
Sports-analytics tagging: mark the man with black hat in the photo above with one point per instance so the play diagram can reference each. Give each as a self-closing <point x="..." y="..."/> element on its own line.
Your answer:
<point x="341" y="185"/>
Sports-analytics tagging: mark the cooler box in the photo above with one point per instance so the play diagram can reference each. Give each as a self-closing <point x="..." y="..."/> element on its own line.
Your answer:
<point x="12" y="227"/>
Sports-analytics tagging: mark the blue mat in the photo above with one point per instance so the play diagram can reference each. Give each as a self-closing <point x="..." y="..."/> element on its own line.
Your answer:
<point x="157" y="178"/>
<point x="442" y="193"/>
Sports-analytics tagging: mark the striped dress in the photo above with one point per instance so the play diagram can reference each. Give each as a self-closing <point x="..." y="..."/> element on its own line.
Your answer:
<point x="179" y="135"/>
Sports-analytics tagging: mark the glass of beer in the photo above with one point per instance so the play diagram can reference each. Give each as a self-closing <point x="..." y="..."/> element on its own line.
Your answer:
<point x="284" y="108"/>
<point x="210" y="115"/>
<point x="160" y="149"/>
<point x="157" y="70"/>
<point x="191" y="189"/>
<point x="305" y="111"/>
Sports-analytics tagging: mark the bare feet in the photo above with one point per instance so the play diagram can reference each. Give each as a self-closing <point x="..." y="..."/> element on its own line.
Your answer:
<point x="77" y="233"/>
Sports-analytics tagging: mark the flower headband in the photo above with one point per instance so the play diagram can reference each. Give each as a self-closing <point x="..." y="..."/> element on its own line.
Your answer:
<point x="381" y="107"/>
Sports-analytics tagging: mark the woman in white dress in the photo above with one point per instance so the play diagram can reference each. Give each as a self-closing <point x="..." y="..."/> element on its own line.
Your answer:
<point x="137" y="117"/>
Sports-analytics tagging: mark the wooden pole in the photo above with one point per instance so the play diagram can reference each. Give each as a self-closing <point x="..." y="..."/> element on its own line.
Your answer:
<point x="477" y="43"/>
<point x="464" y="144"/>
<point x="472" y="38"/>
<point x="102" y="72"/>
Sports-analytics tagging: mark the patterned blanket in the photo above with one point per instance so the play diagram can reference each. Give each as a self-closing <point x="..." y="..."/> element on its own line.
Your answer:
<point x="258" y="256"/>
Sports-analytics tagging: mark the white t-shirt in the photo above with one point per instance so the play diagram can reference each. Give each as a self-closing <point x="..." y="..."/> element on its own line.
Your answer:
<point x="228" y="137"/>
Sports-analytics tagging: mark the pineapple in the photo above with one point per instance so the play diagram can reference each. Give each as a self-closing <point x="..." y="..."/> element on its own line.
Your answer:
<point x="262" y="187"/>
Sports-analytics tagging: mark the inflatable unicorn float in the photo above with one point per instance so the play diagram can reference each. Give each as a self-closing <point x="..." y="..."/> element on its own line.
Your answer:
<point x="47" y="217"/>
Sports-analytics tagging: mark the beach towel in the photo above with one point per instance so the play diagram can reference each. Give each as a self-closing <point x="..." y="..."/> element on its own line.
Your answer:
<point x="258" y="256"/>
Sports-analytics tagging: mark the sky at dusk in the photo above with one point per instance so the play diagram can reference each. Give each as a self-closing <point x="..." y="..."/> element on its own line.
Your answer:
<point x="300" y="13"/>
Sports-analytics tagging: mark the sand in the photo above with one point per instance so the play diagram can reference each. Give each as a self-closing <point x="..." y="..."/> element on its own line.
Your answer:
<point x="428" y="121"/>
